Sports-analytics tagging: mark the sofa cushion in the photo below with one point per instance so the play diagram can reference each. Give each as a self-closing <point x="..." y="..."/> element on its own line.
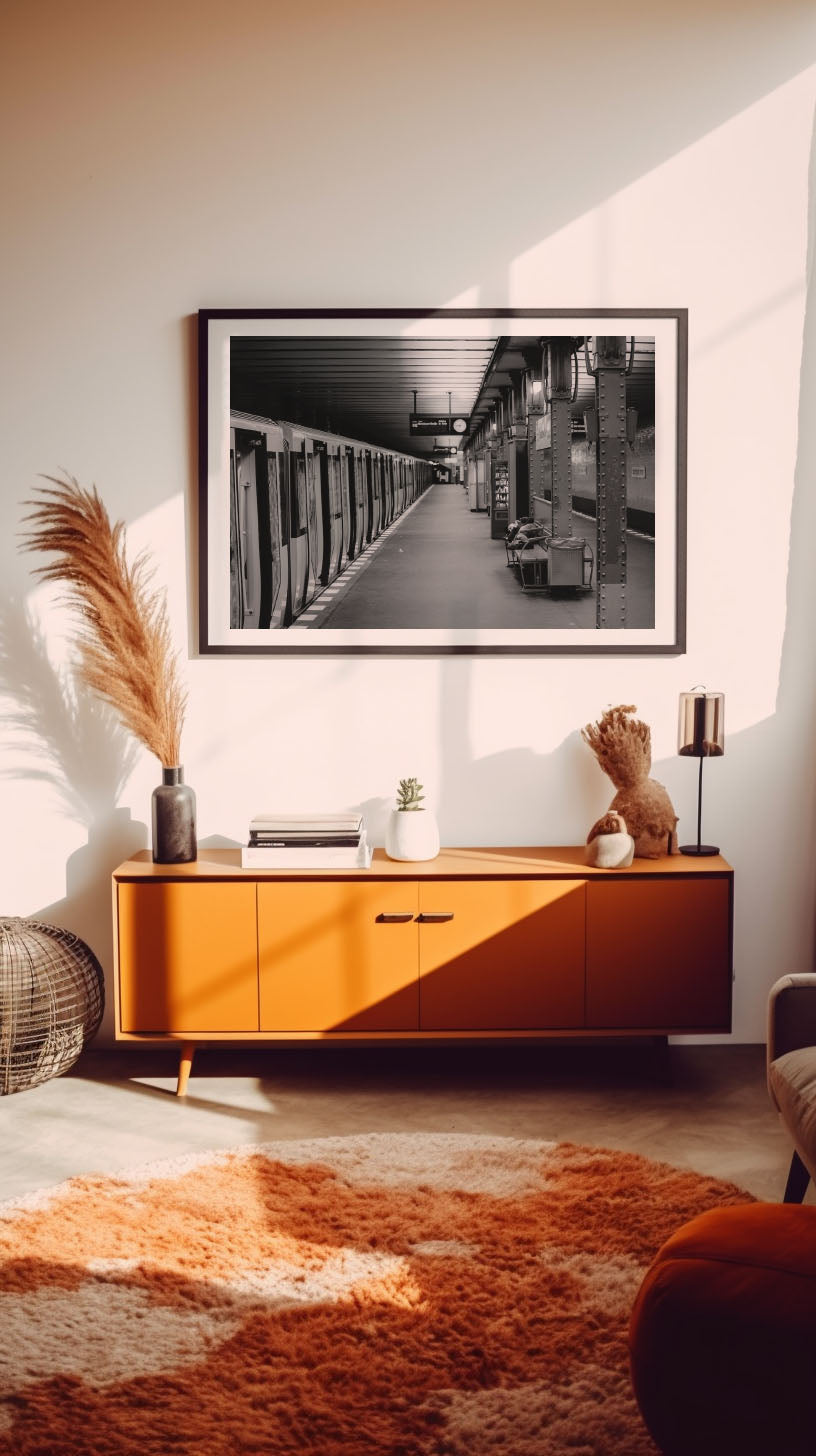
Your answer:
<point x="792" y="1080"/>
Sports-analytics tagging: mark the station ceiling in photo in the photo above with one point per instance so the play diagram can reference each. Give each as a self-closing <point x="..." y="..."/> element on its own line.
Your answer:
<point x="366" y="388"/>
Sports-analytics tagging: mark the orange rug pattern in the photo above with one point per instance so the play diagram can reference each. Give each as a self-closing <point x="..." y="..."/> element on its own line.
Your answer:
<point x="426" y="1295"/>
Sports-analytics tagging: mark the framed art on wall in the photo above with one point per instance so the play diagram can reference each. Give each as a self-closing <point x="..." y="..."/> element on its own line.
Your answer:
<point x="442" y="481"/>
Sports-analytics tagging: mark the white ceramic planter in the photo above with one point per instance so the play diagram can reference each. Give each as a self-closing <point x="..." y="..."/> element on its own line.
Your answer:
<point x="411" y="834"/>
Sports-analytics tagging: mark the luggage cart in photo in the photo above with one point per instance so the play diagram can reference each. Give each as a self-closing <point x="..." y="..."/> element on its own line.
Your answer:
<point x="556" y="562"/>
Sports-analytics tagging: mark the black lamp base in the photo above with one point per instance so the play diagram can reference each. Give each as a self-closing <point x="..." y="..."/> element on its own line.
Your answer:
<point x="700" y="849"/>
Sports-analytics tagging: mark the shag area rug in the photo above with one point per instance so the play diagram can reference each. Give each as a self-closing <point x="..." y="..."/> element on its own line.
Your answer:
<point x="427" y="1295"/>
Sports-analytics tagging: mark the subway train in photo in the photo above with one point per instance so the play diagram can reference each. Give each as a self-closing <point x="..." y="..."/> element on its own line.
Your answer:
<point x="303" y="504"/>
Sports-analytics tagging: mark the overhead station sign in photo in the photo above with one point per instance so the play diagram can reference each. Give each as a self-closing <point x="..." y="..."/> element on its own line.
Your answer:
<point x="438" y="424"/>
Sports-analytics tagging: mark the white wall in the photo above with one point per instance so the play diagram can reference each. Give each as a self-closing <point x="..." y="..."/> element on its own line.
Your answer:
<point x="172" y="156"/>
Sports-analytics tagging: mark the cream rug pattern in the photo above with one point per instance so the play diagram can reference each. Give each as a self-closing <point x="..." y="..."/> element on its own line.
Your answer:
<point x="416" y="1295"/>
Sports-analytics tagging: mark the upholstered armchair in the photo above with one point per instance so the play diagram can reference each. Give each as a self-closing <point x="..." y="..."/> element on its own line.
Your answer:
<point x="792" y="1072"/>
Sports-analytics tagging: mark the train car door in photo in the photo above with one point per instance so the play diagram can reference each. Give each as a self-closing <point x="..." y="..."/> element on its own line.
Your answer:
<point x="361" y="491"/>
<point x="374" y="516"/>
<point x="347" y="487"/>
<point x="379" y="489"/>
<point x="236" y="536"/>
<point x="249" y="530"/>
<point x="388" y="475"/>
<point x="322" y="563"/>
<point x="331" y="511"/>
<point x="313" y="521"/>
<point x="277" y="477"/>
<point x="382" y="469"/>
<point x="298" y="529"/>
<point x="379" y="492"/>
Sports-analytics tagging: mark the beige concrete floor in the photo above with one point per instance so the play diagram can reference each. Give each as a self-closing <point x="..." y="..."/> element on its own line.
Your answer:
<point x="703" y="1107"/>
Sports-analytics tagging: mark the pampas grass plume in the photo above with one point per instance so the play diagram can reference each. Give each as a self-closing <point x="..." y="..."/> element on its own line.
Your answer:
<point x="124" y="645"/>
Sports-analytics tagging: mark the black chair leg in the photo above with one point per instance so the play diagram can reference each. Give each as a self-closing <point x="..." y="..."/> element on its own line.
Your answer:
<point x="798" y="1179"/>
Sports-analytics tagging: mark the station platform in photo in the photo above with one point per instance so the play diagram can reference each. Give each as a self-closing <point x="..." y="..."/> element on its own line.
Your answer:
<point x="437" y="566"/>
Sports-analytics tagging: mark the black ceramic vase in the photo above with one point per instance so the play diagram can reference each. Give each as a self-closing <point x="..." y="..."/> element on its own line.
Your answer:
<point x="174" y="826"/>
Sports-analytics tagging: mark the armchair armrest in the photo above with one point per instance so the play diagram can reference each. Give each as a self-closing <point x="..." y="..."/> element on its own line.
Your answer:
<point x="791" y="1014"/>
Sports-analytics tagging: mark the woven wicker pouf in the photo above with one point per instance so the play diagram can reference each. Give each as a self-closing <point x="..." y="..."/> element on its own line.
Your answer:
<point x="52" y="995"/>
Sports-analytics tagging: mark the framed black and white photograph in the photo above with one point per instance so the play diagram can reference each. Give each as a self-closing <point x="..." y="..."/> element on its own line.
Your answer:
<point x="439" y="481"/>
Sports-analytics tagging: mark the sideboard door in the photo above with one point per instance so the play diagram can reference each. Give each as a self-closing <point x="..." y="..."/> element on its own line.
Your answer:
<point x="338" y="955"/>
<point x="659" y="954"/>
<point x="501" y="955"/>
<point x="188" y="957"/>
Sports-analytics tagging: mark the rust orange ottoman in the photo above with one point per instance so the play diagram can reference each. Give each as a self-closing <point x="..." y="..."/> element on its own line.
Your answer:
<point x="723" y="1335"/>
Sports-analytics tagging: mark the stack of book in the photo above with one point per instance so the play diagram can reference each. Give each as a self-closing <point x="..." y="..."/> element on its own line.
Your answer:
<point x="306" y="842"/>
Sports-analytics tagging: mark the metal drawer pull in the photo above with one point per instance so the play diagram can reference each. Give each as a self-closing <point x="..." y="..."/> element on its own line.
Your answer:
<point x="436" y="915"/>
<point x="395" y="917"/>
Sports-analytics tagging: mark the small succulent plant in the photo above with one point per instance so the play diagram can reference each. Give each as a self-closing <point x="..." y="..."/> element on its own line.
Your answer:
<point x="409" y="794"/>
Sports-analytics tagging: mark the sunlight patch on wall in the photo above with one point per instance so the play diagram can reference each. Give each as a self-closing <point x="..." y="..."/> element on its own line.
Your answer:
<point x="726" y="223"/>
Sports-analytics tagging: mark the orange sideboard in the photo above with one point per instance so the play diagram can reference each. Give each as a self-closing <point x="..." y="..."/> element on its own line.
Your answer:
<point x="475" y="943"/>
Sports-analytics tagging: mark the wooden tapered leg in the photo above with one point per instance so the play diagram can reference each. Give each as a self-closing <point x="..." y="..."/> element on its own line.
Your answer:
<point x="185" y="1065"/>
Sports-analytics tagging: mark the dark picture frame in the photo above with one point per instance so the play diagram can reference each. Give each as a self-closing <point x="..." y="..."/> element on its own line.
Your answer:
<point x="321" y="430"/>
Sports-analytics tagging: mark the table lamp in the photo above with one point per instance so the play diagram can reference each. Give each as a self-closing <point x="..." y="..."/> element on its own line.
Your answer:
<point x="701" y="734"/>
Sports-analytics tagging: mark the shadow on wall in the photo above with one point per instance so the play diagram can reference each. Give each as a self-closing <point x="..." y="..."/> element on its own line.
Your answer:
<point x="72" y="742"/>
<point x="550" y="810"/>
